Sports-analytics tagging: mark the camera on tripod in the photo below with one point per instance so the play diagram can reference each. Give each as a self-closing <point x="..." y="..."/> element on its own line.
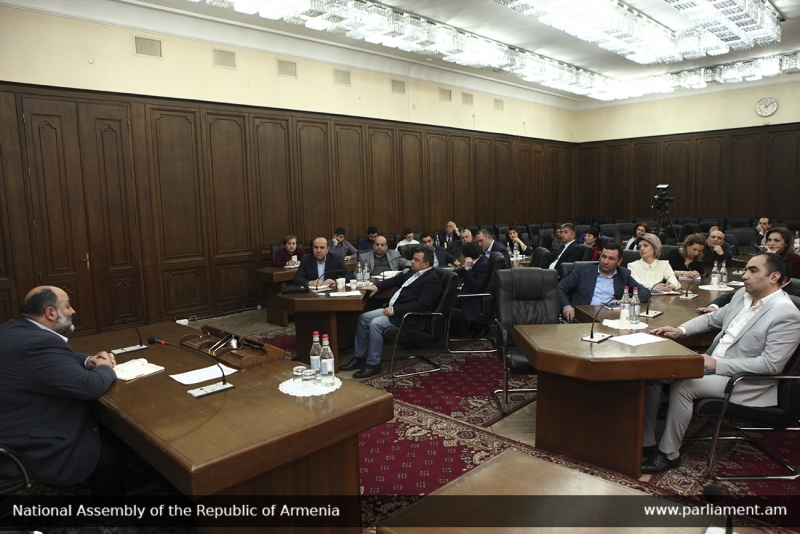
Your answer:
<point x="660" y="200"/>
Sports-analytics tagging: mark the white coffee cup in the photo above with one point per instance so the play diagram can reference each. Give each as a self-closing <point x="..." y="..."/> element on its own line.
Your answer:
<point x="340" y="282"/>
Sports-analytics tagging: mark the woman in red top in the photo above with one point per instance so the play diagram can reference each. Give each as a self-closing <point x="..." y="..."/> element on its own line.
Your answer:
<point x="284" y="255"/>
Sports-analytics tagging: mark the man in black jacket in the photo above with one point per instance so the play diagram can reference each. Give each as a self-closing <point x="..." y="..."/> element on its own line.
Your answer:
<point x="441" y="258"/>
<point x="418" y="290"/>
<point x="321" y="268"/>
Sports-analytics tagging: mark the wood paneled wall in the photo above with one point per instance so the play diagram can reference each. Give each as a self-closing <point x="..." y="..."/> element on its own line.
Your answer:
<point x="733" y="173"/>
<point x="147" y="209"/>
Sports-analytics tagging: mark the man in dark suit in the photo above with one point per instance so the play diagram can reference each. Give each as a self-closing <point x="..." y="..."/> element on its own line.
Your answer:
<point x="764" y="224"/>
<point x="441" y="258"/>
<point x="418" y="290"/>
<point x="44" y="388"/>
<point x="486" y="241"/>
<point x="381" y="259"/>
<point x="449" y="239"/>
<point x="590" y="283"/>
<point x="321" y="268"/>
<point x="570" y="251"/>
<point x="475" y="273"/>
<point x="368" y="242"/>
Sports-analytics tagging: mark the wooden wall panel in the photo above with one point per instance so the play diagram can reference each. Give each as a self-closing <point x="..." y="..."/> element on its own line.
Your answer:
<point x="783" y="169"/>
<point x="618" y="195"/>
<point x="507" y="181"/>
<point x="276" y="210"/>
<point x="462" y="201"/>
<point x="8" y="307"/>
<point x="645" y="175"/>
<point x="678" y="174"/>
<point x="412" y="178"/>
<point x="530" y="189"/>
<point x="555" y="188"/>
<point x="313" y="180"/>
<point x="384" y="208"/>
<point x="591" y="190"/>
<point x="747" y="169"/>
<point x="351" y="209"/>
<point x="485" y="191"/>
<point x="568" y="202"/>
<point x="235" y="283"/>
<point x="711" y="195"/>
<point x="438" y="190"/>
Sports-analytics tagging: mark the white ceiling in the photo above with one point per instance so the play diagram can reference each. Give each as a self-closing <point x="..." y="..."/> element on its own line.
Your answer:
<point x="486" y="18"/>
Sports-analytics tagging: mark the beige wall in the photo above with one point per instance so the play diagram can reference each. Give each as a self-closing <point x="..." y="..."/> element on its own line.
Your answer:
<point x="50" y="50"/>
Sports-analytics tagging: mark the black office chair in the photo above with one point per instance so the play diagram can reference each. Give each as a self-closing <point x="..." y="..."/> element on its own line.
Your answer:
<point x="496" y="262"/>
<point x="407" y="251"/>
<point x="629" y="256"/>
<point x="733" y="223"/>
<point x="610" y="230"/>
<point x="434" y="328"/>
<point x="22" y="481"/>
<point x="625" y="231"/>
<point x="665" y="251"/>
<point x="541" y="258"/>
<point x="524" y="296"/>
<point x="782" y="416"/>
<point x="747" y="239"/>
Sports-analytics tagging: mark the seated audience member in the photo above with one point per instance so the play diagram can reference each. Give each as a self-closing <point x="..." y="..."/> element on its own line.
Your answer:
<point x="590" y="238"/>
<point x="514" y="239"/>
<point x="759" y="332"/>
<point x="638" y="231"/>
<point x="687" y="260"/>
<point x="441" y="258"/>
<point x="763" y="225"/>
<point x="555" y="241"/>
<point x="649" y="270"/>
<point x="475" y="273"/>
<point x="449" y="238"/>
<point x="418" y="290"/>
<point x="368" y="242"/>
<point x="408" y="238"/>
<point x="382" y="259"/>
<point x="321" y="267"/>
<point x="486" y="241"/>
<point x="570" y="251"/>
<point x="781" y="242"/>
<point x="590" y="283"/>
<point x="44" y="390"/>
<point x="284" y="256"/>
<point x="465" y="236"/>
<point x="340" y="246"/>
<point x="717" y="250"/>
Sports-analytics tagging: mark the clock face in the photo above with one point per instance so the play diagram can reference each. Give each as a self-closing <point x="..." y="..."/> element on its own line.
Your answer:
<point x="766" y="106"/>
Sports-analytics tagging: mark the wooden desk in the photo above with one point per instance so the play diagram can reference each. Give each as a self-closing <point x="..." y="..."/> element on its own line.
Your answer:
<point x="251" y="440"/>
<point x="590" y="400"/>
<point x="274" y="279"/>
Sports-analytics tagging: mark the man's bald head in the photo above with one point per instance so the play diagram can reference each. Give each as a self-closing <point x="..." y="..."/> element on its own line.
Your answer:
<point x="49" y="306"/>
<point x="379" y="246"/>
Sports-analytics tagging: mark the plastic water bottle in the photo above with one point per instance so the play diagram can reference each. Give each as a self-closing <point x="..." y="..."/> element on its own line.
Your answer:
<point x="635" y="307"/>
<point x="516" y="250"/>
<point x="723" y="276"/>
<point x="326" y="363"/>
<point x="359" y="272"/>
<point x="715" y="276"/>
<point x="314" y="357"/>
<point x="625" y="310"/>
<point x="365" y="272"/>
<point x="437" y="240"/>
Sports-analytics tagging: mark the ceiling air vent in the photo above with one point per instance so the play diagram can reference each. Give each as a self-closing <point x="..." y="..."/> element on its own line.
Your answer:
<point x="287" y="68"/>
<point x="445" y="95"/>
<point x="223" y="58"/>
<point x="466" y="99"/>
<point x="398" y="87"/>
<point x="146" y="47"/>
<point x="498" y="105"/>
<point x="341" y="77"/>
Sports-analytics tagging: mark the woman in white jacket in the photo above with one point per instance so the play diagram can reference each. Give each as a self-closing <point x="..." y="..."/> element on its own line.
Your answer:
<point x="650" y="271"/>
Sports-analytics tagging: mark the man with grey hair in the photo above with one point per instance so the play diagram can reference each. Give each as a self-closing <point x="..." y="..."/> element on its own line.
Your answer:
<point x="570" y="251"/>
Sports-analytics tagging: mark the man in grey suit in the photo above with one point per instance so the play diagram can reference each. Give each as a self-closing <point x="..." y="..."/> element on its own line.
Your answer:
<point x="760" y="330"/>
<point x="382" y="259"/>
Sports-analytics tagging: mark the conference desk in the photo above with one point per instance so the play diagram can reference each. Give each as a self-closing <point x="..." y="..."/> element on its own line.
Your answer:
<point x="274" y="279"/>
<point x="590" y="398"/>
<point x="251" y="440"/>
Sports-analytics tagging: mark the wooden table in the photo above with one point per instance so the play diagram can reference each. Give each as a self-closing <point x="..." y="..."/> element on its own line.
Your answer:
<point x="274" y="279"/>
<point x="251" y="440"/>
<point x="590" y="400"/>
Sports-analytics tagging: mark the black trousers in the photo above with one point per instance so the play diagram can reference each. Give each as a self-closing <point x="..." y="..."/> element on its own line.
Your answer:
<point x="109" y="474"/>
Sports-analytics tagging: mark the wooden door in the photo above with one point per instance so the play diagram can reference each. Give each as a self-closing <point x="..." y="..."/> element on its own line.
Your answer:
<point x="59" y="212"/>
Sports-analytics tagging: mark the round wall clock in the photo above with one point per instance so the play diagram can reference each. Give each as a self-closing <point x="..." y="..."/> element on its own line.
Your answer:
<point x="766" y="106"/>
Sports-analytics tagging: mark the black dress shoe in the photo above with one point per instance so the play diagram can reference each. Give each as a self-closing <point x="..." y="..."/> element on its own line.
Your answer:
<point x="355" y="363"/>
<point x="367" y="371"/>
<point x="659" y="463"/>
<point x="649" y="451"/>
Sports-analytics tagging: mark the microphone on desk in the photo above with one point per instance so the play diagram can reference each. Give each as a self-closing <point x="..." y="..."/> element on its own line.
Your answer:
<point x="599" y="338"/>
<point x="647" y="311"/>
<point x="132" y="348"/>
<point x="687" y="295"/>
<point x="205" y="390"/>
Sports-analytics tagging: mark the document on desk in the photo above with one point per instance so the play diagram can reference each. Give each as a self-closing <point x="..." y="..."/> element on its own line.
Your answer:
<point x="201" y="375"/>
<point x="136" y="368"/>
<point x="354" y="293"/>
<point x="634" y="340"/>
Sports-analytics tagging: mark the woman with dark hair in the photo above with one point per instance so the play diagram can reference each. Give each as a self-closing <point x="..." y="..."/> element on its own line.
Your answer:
<point x="780" y="241"/>
<point x="638" y="231"/>
<point x="590" y="238"/>
<point x="284" y="256"/>
<point x="514" y="239"/>
<point x="687" y="260"/>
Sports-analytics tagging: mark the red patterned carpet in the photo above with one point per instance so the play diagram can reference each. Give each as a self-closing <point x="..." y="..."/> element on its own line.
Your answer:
<point x="283" y="338"/>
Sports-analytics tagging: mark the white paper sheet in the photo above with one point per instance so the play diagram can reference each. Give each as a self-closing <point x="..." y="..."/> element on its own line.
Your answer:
<point x="614" y="323"/>
<point x="201" y="375"/>
<point x="354" y="293"/>
<point x="634" y="340"/>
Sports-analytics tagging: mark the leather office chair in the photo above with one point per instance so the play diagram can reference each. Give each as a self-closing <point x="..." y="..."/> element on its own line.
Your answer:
<point x="501" y="229"/>
<point x="782" y="416"/>
<point x="407" y="251"/>
<point x="687" y="220"/>
<point x="581" y="228"/>
<point x="603" y="239"/>
<point x="629" y="256"/>
<point x="583" y="220"/>
<point x="791" y="224"/>
<point x="610" y="230"/>
<point x="732" y="223"/>
<point x="13" y="485"/>
<point x="625" y="231"/>
<point x="733" y="241"/>
<point x="603" y="219"/>
<point x="690" y="228"/>
<point x="496" y="262"/>
<point x="523" y="296"/>
<point x="621" y="220"/>
<point x="434" y="328"/>
<point x="746" y="238"/>
<point x="541" y="258"/>
<point x="665" y="250"/>
<point x="588" y="252"/>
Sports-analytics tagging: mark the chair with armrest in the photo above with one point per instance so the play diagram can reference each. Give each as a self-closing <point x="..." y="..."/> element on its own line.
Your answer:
<point x="523" y="296"/>
<point x="733" y="241"/>
<point x="746" y="238"/>
<point x="666" y="250"/>
<point x="22" y="481"/>
<point x="625" y="231"/>
<point x="588" y="252"/>
<point x="602" y="219"/>
<point x="732" y="223"/>
<point x="407" y="251"/>
<point x="501" y="229"/>
<point x="541" y="258"/>
<point x="629" y="256"/>
<point x="496" y="262"/>
<point x="434" y="328"/>
<point x="791" y="224"/>
<point x="610" y="230"/>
